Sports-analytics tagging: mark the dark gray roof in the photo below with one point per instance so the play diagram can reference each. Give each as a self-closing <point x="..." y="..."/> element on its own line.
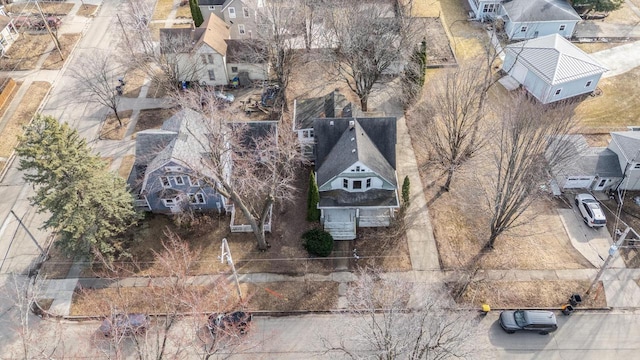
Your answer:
<point x="373" y="197"/>
<point x="584" y="160"/>
<point x="179" y="40"/>
<point x="372" y="141"/>
<point x="540" y="10"/>
<point x="629" y="144"/>
<point x="331" y="105"/>
<point x="245" y="51"/>
<point x="211" y="2"/>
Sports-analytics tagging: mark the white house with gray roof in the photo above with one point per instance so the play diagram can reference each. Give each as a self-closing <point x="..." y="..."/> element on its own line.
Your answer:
<point x="626" y="144"/>
<point x="551" y="68"/>
<point x="356" y="173"/>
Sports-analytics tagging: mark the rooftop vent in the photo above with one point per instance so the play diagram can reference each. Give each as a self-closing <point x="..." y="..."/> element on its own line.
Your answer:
<point x="353" y="150"/>
<point x="331" y="122"/>
<point x="633" y="128"/>
<point x="352" y="124"/>
<point x="352" y="139"/>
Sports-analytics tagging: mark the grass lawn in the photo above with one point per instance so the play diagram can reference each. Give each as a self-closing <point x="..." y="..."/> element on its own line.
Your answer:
<point x="126" y="165"/>
<point x="133" y="83"/>
<point x="530" y="294"/>
<point x="153" y="118"/>
<point x="616" y="108"/>
<point x="53" y="8"/>
<point x="67" y="42"/>
<point x="592" y="47"/>
<point x="87" y="10"/>
<point x="111" y="129"/>
<point x="162" y="9"/>
<point x="25" y="52"/>
<point x="468" y="37"/>
<point x="184" y="12"/>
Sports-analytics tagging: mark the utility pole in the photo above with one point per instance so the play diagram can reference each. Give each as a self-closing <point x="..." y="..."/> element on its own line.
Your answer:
<point x="612" y="252"/>
<point x="226" y="255"/>
<point x="46" y="25"/>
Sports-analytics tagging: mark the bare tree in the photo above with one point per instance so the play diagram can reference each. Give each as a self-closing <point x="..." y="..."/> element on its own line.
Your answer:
<point x="526" y="149"/>
<point x="451" y="116"/>
<point x="370" y="38"/>
<point x="382" y="325"/>
<point x="252" y="169"/>
<point x="97" y="78"/>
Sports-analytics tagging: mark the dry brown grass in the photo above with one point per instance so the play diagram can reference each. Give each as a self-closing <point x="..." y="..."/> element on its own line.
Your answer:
<point x="67" y="43"/>
<point x="156" y="90"/>
<point x="292" y="296"/>
<point x="598" y="140"/>
<point x="162" y="9"/>
<point x="530" y="294"/>
<point x="111" y="129"/>
<point x="153" y="118"/>
<point x="87" y="10"/>
<point x="624" y="16"/>
<point x="126" y="165"/>
<point x="133" y="83"/>
<point x="468" y="37"/>
<point x="58" y="268"/>
<point x="25" y="52"/>
<point x="107" y="162"/>
<point x="592" y="47"/>
<point x="154" y="30"/>
<point x="183" y="12"/>
<point x="616" y="108"/>
<point x="25" y="111"/>
<point x="426" y="9"/>
<point x="53" y="8"/>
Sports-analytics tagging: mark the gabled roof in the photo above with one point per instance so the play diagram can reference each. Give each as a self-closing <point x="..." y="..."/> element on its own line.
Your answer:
<point x="370" y="141"/>
<point x="554" y="59"/>
<point x="583" y="160"/>
<point x="540" y="10"/>
<point x="629" y="144"/>
<point x="215" y="33"/>
<point x="332" y="105"/>
<point x="211" y="2"/>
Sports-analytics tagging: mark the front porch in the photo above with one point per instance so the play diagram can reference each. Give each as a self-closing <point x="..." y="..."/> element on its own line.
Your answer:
<point x="342" y="223"/>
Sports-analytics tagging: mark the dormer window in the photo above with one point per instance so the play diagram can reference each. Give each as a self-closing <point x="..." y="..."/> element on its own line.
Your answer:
<point x="357" y="168"/>
<point x="368" y="183"/>
<point x="357" y="184"/>
<point x="345" y="183"/>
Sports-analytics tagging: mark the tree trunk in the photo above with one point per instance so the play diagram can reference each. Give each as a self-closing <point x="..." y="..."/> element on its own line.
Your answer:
<point x="447" y="183"/>
<point x="364" y="102"/>
<point x="115" y="111"/>
<point x="492" y="240"/>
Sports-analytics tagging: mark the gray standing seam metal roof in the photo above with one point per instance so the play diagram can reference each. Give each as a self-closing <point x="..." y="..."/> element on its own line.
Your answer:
<point x="555" y="59"/>
<point x="540" y="10"/>
<point x="307" y="110"/>
<point x="629" y="144"/>
<point x="371" y="141"/>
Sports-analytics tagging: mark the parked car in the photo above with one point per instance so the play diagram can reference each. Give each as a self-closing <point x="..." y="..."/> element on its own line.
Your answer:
<point x="235" y="322"/>
<point x="591" y="211"/>
<point x="124" y="325"/>
<point x="543" y="322"/>
<point x="224" y="97"/>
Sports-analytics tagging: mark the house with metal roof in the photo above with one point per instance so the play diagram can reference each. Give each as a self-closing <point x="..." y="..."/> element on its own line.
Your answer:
<point x="626" y="144"/>
<point x="551" y="68"/>
<point x="356" y="173"/>
<point x="585" y="167"/>
<point x="527" y="19"/>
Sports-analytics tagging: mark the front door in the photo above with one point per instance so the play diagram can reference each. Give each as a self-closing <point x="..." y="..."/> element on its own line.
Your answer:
<point x="600" y="185"/>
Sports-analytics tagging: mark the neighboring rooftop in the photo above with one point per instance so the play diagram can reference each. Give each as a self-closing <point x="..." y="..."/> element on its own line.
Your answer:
<point x="540" y="10"/>
<point x="332" y="105"/>
<point x="555" y="59"/>
<point x="629" y="144"/>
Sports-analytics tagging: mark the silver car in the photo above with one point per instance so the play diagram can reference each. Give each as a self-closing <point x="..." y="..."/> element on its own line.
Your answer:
<point x="590" y="210"/>
<point x="542" y="322"/>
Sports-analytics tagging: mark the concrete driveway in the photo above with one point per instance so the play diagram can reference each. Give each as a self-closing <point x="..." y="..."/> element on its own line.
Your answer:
<point x="619" y="59"/>
<point x="593" y="244"/>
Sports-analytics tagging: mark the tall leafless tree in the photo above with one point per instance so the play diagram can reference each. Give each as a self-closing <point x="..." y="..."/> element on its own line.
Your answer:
<point x="526" y="149"/>
<point x="369" y="39"/>
<point x="450" y="118"/>
<point x="378" y="325"/>
<point x="253" y="172"/>
<point x="97" y="77"/>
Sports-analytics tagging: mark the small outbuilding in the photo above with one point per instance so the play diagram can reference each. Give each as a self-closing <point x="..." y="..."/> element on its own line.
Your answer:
<point x="551" y="68"/>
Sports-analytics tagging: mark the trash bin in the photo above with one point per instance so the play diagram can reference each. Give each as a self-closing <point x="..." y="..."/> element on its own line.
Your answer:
<point x="567" y="309"/>
<point x="575" y="299"/>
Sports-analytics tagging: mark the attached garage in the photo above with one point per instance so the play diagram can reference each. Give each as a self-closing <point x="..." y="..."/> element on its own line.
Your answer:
<point x="578" y="182"/>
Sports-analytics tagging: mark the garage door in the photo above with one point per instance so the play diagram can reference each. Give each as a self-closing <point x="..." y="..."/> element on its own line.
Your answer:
<point x="578" y="182"/>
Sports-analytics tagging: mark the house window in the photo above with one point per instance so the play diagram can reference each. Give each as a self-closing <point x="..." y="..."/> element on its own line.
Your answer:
<point x="197" y="198"/>
<point x="241" y="29"/>
<point x="165" y="182"/>
<point x="169" y="202"/>
<point x="212" y="7"/>
<point x="193" y="182"/>
<point x="636" y="166"/>
<point x="558" y="91"/>
<point x="210" y="58"/>
<point x="307" y="134"/>
<point x="173" y="168"/>
<point x="523" y="29"/>
<point x="562" y="27"/>
<point x="178" y="180"/>
<point x="357" y="168"/>
<point x="245" y="12"/>
<point x="489" y="8"/>
<point x="357" y="184"/>
<point x="345" y="183"/>
<point x="203" y="57"/>
<point x="588" y="83"/>
<point x="212" y="75"/>
<point x="232" y="12"/>
<point x="368" y="183"/>
<point x="234" y="69"/>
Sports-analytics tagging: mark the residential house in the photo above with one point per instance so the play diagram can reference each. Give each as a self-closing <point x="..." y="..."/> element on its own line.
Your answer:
<point x="239" y="15"/>
<point x="551" y="68"/>
<point x="527" y="19"/>
<point x="626" y="144"/>
<point x="305" y="111"/>
<point x="356" y="173"/>
<point x="591" y="168"/>
<point x="8" y="32"/>
<point x="198" y="54"/>
<point x="163" y="177"/>
<point x="246" y="61"/>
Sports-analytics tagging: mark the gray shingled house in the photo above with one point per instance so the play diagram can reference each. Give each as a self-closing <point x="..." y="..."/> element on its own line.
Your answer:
<point x="163" y="178"/>
<point x="356" y="173"/>
<point x="551" y="68"/>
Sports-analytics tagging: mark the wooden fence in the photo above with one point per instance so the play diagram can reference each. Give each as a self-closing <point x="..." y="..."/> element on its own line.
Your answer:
<point x="7" y="85"/>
